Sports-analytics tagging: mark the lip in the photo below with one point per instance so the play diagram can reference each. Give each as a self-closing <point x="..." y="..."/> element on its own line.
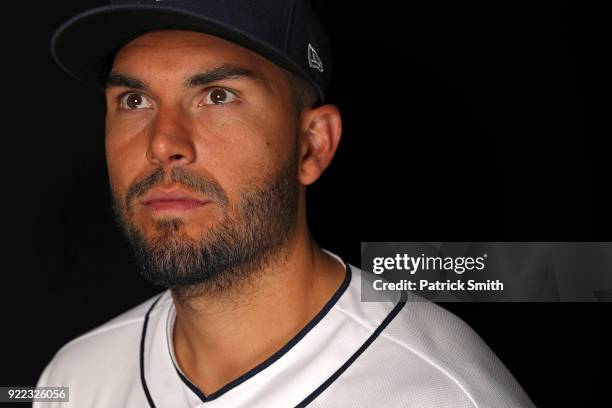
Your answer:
<point x="172" y="200"/>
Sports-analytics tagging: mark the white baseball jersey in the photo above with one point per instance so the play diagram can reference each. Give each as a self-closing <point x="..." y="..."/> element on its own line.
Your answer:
<point x="400" y="353"/>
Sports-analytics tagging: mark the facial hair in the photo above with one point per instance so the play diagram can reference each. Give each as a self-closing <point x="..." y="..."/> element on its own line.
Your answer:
<point x="248" y="237"/>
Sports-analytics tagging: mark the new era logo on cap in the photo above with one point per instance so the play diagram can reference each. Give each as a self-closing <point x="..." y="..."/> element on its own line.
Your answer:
<point x="313" y="59"/>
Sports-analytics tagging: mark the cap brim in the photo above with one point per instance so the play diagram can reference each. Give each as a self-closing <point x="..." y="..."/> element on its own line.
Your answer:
<point x="86" y="44"/>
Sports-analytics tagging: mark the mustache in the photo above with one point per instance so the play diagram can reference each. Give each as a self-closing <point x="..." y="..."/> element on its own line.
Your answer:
<point x="210" y="188"/>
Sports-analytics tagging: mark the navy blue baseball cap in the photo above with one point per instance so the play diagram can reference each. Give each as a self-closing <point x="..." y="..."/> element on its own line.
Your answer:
<point x="286" y="32"/>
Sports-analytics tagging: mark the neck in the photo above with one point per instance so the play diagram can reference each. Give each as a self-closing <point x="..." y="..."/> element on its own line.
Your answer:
<point x="218" y="337"/>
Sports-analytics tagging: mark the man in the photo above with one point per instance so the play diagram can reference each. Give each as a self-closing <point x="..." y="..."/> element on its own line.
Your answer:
<point x="215" y="124"/>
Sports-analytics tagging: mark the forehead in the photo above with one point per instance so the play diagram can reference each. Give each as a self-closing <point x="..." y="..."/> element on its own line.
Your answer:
<point x="176" y="51"/>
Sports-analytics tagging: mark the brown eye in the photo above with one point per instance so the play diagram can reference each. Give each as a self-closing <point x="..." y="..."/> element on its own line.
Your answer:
<point x="217" y="96"/>
<point x="133" y="101"/>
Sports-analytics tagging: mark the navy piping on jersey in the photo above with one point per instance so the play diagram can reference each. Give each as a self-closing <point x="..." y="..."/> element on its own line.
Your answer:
<point x="142" y="350"/>
<point x="354" y="357"/>
<point x="269" y="361"/>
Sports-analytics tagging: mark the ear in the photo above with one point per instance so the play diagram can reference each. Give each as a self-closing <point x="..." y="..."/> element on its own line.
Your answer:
<point x="320" y="132"/>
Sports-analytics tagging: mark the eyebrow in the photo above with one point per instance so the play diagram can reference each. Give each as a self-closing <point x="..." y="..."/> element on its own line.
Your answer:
<point x="124" y="81"/>
<point x="220" y="73"/>
<point x="203" y="78"/>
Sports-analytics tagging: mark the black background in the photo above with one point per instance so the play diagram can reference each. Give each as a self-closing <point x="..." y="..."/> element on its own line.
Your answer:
<point x="476" y="122"/>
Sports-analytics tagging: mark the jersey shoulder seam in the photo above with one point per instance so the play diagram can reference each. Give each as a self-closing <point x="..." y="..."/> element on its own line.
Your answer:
<point x="104" y="328"/>
<point x="433" y="364"/>
<point x="355" y="318"/>
<point x="411" y="350"/>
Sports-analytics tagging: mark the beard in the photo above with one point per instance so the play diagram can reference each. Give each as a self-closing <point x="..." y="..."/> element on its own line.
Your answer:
<point x="245" y="241"/>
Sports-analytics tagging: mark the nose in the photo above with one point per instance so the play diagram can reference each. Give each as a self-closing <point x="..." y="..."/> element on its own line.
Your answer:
<point x="170" y="140"/>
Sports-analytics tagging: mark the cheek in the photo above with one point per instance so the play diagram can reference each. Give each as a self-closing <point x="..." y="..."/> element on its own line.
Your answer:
<point x="121" y="128"/>
<point x="244" y="148"/>
<point x="122" y="158"/>
<point x="224" y="140"/>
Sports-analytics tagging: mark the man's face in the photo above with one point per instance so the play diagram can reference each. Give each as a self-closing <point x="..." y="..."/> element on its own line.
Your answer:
<point x="202" y="159"/>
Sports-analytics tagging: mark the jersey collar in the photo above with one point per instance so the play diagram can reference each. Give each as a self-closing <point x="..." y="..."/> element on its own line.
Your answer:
<point x="284" y="379"/>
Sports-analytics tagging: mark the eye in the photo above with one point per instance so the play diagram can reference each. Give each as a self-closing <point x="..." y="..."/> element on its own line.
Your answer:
<point x="217" y="96"/>
<point x="133" y="101"/>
